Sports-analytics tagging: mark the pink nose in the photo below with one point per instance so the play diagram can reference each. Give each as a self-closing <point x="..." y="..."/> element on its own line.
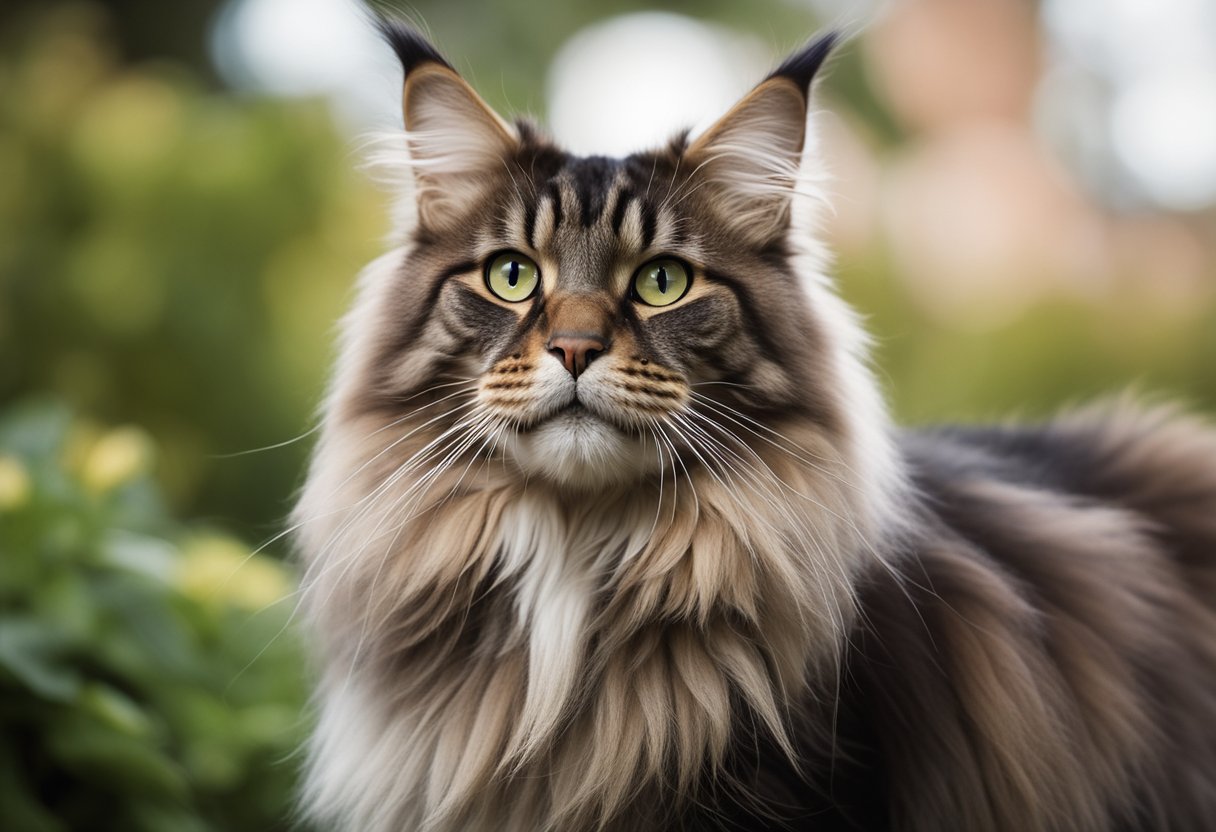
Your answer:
<point x="576" y="350"/>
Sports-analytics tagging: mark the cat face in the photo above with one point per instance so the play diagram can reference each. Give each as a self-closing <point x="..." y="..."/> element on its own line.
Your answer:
<point x="603" y="314"/>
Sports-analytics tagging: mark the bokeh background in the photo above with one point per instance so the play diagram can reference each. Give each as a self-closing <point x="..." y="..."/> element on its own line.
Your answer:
<point x="1025" y="210"/>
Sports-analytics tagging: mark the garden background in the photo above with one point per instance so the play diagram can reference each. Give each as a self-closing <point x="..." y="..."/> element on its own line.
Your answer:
<point x="1024" y="212"/>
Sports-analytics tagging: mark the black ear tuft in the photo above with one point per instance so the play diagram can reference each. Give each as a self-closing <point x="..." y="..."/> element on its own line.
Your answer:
<point x="801" y="66"/>
<point x="411" y="47"/>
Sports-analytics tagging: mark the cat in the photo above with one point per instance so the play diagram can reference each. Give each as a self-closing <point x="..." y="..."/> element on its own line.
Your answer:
<point x="608" y="528"/>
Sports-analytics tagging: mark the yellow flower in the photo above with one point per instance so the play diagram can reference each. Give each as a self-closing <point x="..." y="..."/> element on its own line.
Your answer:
<point x="116" y="458"/>
<point x="219" y="569"/>
<point x="14" y="484"/>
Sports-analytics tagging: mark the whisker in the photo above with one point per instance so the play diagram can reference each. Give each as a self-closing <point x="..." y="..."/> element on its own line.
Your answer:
<point x="273" y="447"/>
<point x="309" y="581"/>
<point x="400" y="503"/>
<point x="743" y="420"/>
<point x="899" y="577"/>
<point x="300" y="524"/>
<point x="756" y="478"/>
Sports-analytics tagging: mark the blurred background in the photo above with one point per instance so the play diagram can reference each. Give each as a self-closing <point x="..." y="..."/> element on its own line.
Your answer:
<point x="1025" y="210"/>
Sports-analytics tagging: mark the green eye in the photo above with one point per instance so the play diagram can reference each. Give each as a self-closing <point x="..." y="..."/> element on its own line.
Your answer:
<point x="661" y="282"/>
<point x="512" y="276"/>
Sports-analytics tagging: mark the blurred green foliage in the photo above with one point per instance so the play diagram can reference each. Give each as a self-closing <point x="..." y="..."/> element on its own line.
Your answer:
<point x="173" y="258"/>
<point x="1065" y="351"/>
<point x="148" y="680"/>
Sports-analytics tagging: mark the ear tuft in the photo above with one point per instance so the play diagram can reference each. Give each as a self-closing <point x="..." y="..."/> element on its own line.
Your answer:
<point x="408" y="43"/>
<point x="458" y="146"/>
<point x="802" y="66"/>
<point x="750" y="159"/>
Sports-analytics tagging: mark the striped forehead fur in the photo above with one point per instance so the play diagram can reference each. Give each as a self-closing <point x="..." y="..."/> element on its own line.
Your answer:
<point x="589" y="191"/>
<point x="737" y="594"/>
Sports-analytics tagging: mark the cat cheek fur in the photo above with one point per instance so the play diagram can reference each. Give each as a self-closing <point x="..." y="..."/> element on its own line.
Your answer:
<point x="698" y="581"/>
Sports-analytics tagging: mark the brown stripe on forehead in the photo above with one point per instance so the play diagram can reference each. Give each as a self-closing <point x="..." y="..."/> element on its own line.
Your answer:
<point x="553" y="193"/>
<point x="647" y="221"/>
<point x="650" y="221"/>
<point x="591" y="180"/>
<point x="650" y="178"/>
<point x="530" y="223"/>
<point x="542" y="221"/>
<point x="535" y="166"/>
<point x="624" y="196"/>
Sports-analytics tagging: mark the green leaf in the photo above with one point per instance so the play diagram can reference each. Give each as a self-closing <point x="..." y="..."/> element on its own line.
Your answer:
<point x="115" y="709"/>
<point x="121" y="763"/>
<point x="33" y="654"/>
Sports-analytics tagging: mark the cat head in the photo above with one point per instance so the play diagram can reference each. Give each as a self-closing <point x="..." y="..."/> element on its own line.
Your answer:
<point x="598" y="308"/>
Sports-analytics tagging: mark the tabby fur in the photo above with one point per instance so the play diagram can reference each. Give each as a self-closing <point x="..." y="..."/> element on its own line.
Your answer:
<point x="705" y="584"/>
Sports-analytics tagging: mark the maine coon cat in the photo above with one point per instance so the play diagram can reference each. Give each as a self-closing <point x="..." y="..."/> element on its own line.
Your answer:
<point x="608" y="528"/>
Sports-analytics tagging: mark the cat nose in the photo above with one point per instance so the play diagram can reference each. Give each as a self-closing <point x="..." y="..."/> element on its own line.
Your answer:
<point x="577" y="350"/>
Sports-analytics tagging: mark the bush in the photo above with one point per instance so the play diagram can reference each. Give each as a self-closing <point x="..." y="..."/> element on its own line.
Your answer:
<point x="148" y="676"/>
<point x="173" y="256"/>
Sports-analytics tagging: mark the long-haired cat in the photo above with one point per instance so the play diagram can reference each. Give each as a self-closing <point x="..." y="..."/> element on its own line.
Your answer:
<point x="608" y="528"/>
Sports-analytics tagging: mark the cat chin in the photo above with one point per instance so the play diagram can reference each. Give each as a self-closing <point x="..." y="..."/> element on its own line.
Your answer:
<point x="581" y="450"/>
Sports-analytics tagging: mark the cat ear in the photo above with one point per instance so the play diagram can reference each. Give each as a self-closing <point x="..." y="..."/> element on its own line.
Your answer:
<point x="749" y="160"/>
<point x="457" y="143"/>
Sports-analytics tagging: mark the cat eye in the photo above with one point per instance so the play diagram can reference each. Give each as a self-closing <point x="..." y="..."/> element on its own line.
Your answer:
<point x="512" y="276"/>
<point x="661" y="282"/>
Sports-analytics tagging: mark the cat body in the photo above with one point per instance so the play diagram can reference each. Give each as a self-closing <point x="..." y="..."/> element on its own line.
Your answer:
<point x="608" y="529"/>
